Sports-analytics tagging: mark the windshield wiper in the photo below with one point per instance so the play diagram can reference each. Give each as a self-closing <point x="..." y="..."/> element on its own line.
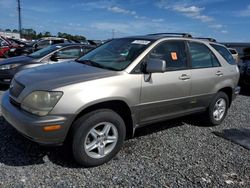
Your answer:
<point x="94" y="64"/>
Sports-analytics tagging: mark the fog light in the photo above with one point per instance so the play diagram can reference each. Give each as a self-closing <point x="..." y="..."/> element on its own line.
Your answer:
<point x="50" y="128"/>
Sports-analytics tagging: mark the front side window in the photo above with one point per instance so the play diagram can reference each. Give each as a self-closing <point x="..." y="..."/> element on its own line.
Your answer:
<point x="72" y="52"/>
<point x="116" y="54"/>
<point x="224" y="53"/>
<point x="43" y="44"/>
<point x="57" y="41"/>
<point x="202" y="56"/>
<point x="173" y="52"/>
<point x="87" y="49"/>
<point x="45" y="51"/>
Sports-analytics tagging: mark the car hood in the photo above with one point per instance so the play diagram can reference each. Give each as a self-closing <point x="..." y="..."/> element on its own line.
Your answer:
<point x="57" y="75"/>
<point x="17" y="60"/>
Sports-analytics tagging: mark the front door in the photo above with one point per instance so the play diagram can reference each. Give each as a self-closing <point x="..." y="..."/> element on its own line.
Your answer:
<point x="167" y="94"/>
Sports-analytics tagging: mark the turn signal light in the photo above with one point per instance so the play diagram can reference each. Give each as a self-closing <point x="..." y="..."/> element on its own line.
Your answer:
<point x="50" y="128"/>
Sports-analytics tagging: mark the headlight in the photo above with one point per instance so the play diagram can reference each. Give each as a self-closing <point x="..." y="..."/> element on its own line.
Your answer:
<point x="10" y="66"/>
<point x="41" y="102"/>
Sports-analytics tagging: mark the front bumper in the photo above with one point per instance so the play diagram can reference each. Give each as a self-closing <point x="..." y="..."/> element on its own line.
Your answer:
<point x="31" y="126"/>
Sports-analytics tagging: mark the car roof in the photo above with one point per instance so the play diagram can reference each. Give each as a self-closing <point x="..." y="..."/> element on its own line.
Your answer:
<point x="186" y="36"/>
<point x="69" y="44"/>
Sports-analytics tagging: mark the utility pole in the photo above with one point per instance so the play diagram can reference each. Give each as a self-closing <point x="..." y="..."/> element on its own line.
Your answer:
<point x="19" y="18"/>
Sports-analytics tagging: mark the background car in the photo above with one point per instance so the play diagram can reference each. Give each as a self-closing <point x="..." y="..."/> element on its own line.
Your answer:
<point x="243" y="50"/>
<point x="235" y="55"/>
<point x="37" y="45"/>
<point x="245" y="69"/>
<point x="51" y="54"/>
<point x="5" y="46"/>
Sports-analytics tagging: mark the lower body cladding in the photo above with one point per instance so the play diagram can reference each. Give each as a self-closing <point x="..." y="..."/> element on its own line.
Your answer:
<point x="47" y="130"/>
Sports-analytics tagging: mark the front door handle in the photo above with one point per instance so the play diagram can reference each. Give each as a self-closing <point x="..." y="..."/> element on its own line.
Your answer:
<point x="219" y="73"/>
<point x="184" y="77"/>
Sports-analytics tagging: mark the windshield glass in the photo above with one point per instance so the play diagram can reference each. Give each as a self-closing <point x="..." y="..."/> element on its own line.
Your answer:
<point x="43" y="52"/>
<point x="116" y="54"/>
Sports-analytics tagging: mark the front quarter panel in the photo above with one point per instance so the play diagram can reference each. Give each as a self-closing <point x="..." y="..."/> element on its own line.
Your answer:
<point x="77" y="97"/>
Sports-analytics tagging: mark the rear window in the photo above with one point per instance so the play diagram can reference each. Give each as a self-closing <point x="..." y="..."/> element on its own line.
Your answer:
<point x="224" y="53"/>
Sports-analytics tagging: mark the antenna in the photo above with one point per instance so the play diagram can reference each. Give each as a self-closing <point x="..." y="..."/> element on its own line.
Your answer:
<point x="19" y="17"/>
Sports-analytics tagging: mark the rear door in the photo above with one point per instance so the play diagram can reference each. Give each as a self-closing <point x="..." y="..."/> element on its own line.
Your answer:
<point x="205" y="71"/>
<point x="167" y="94"/>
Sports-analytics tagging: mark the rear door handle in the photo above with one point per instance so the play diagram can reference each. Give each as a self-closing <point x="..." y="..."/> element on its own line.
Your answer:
<point x="219" y="73"/>
<point x="184" y="77"/>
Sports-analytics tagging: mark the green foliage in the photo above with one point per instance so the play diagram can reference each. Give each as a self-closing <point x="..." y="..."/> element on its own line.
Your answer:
<point x="32" y="34"/>
<point x="15" y="31"/>
<point x="71" y="37"/>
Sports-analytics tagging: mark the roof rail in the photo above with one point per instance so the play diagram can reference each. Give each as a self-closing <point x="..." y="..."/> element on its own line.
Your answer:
<point x="187" y="35"/>
<point x="209" y="39"/>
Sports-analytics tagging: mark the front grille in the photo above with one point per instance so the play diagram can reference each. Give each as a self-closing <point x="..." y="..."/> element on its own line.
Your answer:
<point x="14" y="103"/>
<point x="16" y="88"/>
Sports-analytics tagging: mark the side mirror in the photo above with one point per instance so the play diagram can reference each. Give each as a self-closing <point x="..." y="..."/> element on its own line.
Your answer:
<point x="54" y="57"/>
<point x="156" y="66"/>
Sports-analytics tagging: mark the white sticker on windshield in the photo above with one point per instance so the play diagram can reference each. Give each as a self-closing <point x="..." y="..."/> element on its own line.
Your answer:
<point x="142" y="42"/>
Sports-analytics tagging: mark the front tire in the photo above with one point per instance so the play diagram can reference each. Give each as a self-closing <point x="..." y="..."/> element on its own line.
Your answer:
<point x="217" y="109"/>
<point x="97" y="137"/>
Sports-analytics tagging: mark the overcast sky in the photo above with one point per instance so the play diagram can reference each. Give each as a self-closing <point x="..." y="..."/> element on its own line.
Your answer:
<point x="225" y="20"/>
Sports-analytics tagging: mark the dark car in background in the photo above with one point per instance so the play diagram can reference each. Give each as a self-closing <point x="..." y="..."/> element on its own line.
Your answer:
<point x="243" y="50"/>
<point x="37" y="45"/>
<point x="52" y="54"/>
<point x="235" y="55"/>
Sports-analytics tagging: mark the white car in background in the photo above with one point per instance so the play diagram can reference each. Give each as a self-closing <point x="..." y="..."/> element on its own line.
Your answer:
<point x="235" y="55"/>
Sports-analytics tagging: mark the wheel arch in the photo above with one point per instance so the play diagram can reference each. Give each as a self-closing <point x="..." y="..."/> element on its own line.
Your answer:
<point x="117" y="106"/>
<point x="229" y="92"/>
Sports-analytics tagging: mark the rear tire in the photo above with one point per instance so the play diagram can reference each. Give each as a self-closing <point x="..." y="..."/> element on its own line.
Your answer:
<point x="217" y="109"/>
<point x="97" y="137"/>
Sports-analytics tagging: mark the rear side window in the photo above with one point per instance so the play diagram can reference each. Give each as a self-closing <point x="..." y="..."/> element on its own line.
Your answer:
<point x="173" y="52"/>
<point x="202" y="56"/>
<point x="224" y="53"/>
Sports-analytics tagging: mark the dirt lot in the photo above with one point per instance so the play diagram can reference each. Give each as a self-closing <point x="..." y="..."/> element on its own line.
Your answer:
<point x="177" y="153"/>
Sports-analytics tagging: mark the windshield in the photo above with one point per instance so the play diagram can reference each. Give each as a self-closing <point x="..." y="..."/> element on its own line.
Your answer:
<point x="45" y="51"/>
<point x="116" y="54"/>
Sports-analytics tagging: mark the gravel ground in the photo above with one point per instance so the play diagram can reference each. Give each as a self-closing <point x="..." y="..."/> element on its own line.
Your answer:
<point x="177" y="153"/>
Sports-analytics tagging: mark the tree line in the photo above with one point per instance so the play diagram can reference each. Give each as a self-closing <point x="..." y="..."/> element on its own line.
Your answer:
<point x="30" y="34"/>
